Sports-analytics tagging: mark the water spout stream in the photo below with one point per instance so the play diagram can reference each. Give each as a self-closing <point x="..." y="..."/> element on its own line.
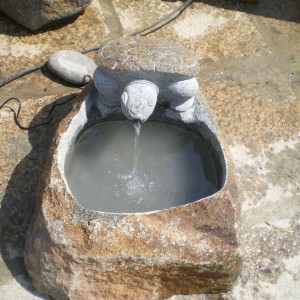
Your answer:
<point x="137" y="148"/>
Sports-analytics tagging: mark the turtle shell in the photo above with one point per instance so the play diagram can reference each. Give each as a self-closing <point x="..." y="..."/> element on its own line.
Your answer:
<point x="147" y="54"/>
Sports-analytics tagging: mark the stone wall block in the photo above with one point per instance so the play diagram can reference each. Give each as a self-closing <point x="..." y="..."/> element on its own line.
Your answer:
<point x="35" y="14"/>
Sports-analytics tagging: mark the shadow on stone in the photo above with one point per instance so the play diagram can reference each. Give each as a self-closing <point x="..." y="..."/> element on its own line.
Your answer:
<point x="18" y="204"/>
<point x="10" y="27"/>
<point x="55" y="78"/>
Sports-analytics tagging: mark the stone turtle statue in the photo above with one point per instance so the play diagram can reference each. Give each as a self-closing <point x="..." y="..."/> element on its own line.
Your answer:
<point x="138" y="72"/>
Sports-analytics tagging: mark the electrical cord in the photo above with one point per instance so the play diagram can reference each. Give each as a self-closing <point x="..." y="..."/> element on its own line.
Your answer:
<point x="161" y="22"/>
<point x="20" y="74"/>
<point x="16" y="114"/>
<point x="178" y="10"/>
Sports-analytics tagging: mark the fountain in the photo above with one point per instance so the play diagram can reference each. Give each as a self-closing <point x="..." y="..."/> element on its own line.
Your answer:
<point x="136" y="211"/>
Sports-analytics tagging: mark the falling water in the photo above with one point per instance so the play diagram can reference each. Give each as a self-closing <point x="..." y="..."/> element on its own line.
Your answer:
<point x="137" y="147"/>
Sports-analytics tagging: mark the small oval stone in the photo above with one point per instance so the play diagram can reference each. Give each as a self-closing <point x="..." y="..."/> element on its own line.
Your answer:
<point x="72" y="66"/>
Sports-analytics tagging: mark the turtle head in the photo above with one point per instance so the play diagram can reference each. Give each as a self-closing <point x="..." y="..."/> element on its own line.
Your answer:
<point x="138" y="99"/>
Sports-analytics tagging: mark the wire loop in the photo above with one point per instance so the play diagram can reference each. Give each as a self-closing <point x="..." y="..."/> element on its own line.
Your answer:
<point x="17" y="113"/>
<point x="161" y="22"/>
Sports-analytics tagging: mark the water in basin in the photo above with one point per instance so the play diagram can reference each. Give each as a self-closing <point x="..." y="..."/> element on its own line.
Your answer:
<point x="172" y="167"/>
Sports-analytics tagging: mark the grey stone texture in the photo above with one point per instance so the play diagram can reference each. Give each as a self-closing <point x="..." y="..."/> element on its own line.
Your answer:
<point x="147" y="54"/>
<point x="34" y="14"/>
<point x="138" y="100"/>
<point x="143" y="70"/>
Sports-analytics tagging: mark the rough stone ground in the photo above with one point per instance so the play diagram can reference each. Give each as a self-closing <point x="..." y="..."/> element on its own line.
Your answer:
<point x="250" y="60"/>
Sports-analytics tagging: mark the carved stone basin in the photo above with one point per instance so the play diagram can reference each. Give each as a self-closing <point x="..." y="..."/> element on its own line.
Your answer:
<point x="76" y="253"/>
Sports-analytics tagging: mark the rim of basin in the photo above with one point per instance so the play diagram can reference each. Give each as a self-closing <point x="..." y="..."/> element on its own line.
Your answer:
<point x="78" y="124"/>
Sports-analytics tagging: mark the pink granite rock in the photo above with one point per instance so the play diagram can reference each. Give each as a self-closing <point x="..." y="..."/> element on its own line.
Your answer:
<point x="75" y="253"/>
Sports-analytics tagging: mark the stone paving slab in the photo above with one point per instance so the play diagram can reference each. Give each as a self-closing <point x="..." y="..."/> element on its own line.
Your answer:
<point x="250" y="60"/>
<point x="21" y="49"/>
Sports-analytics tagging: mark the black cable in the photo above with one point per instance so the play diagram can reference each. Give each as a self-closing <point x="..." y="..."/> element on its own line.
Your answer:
<point x="90" y="50"/>
<point x="178" y="10"/>
<point x="20" y="74"/>
<point x="15" y="76"/>
<point x="16" y="114"/>
<point x="55" y="104"/>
